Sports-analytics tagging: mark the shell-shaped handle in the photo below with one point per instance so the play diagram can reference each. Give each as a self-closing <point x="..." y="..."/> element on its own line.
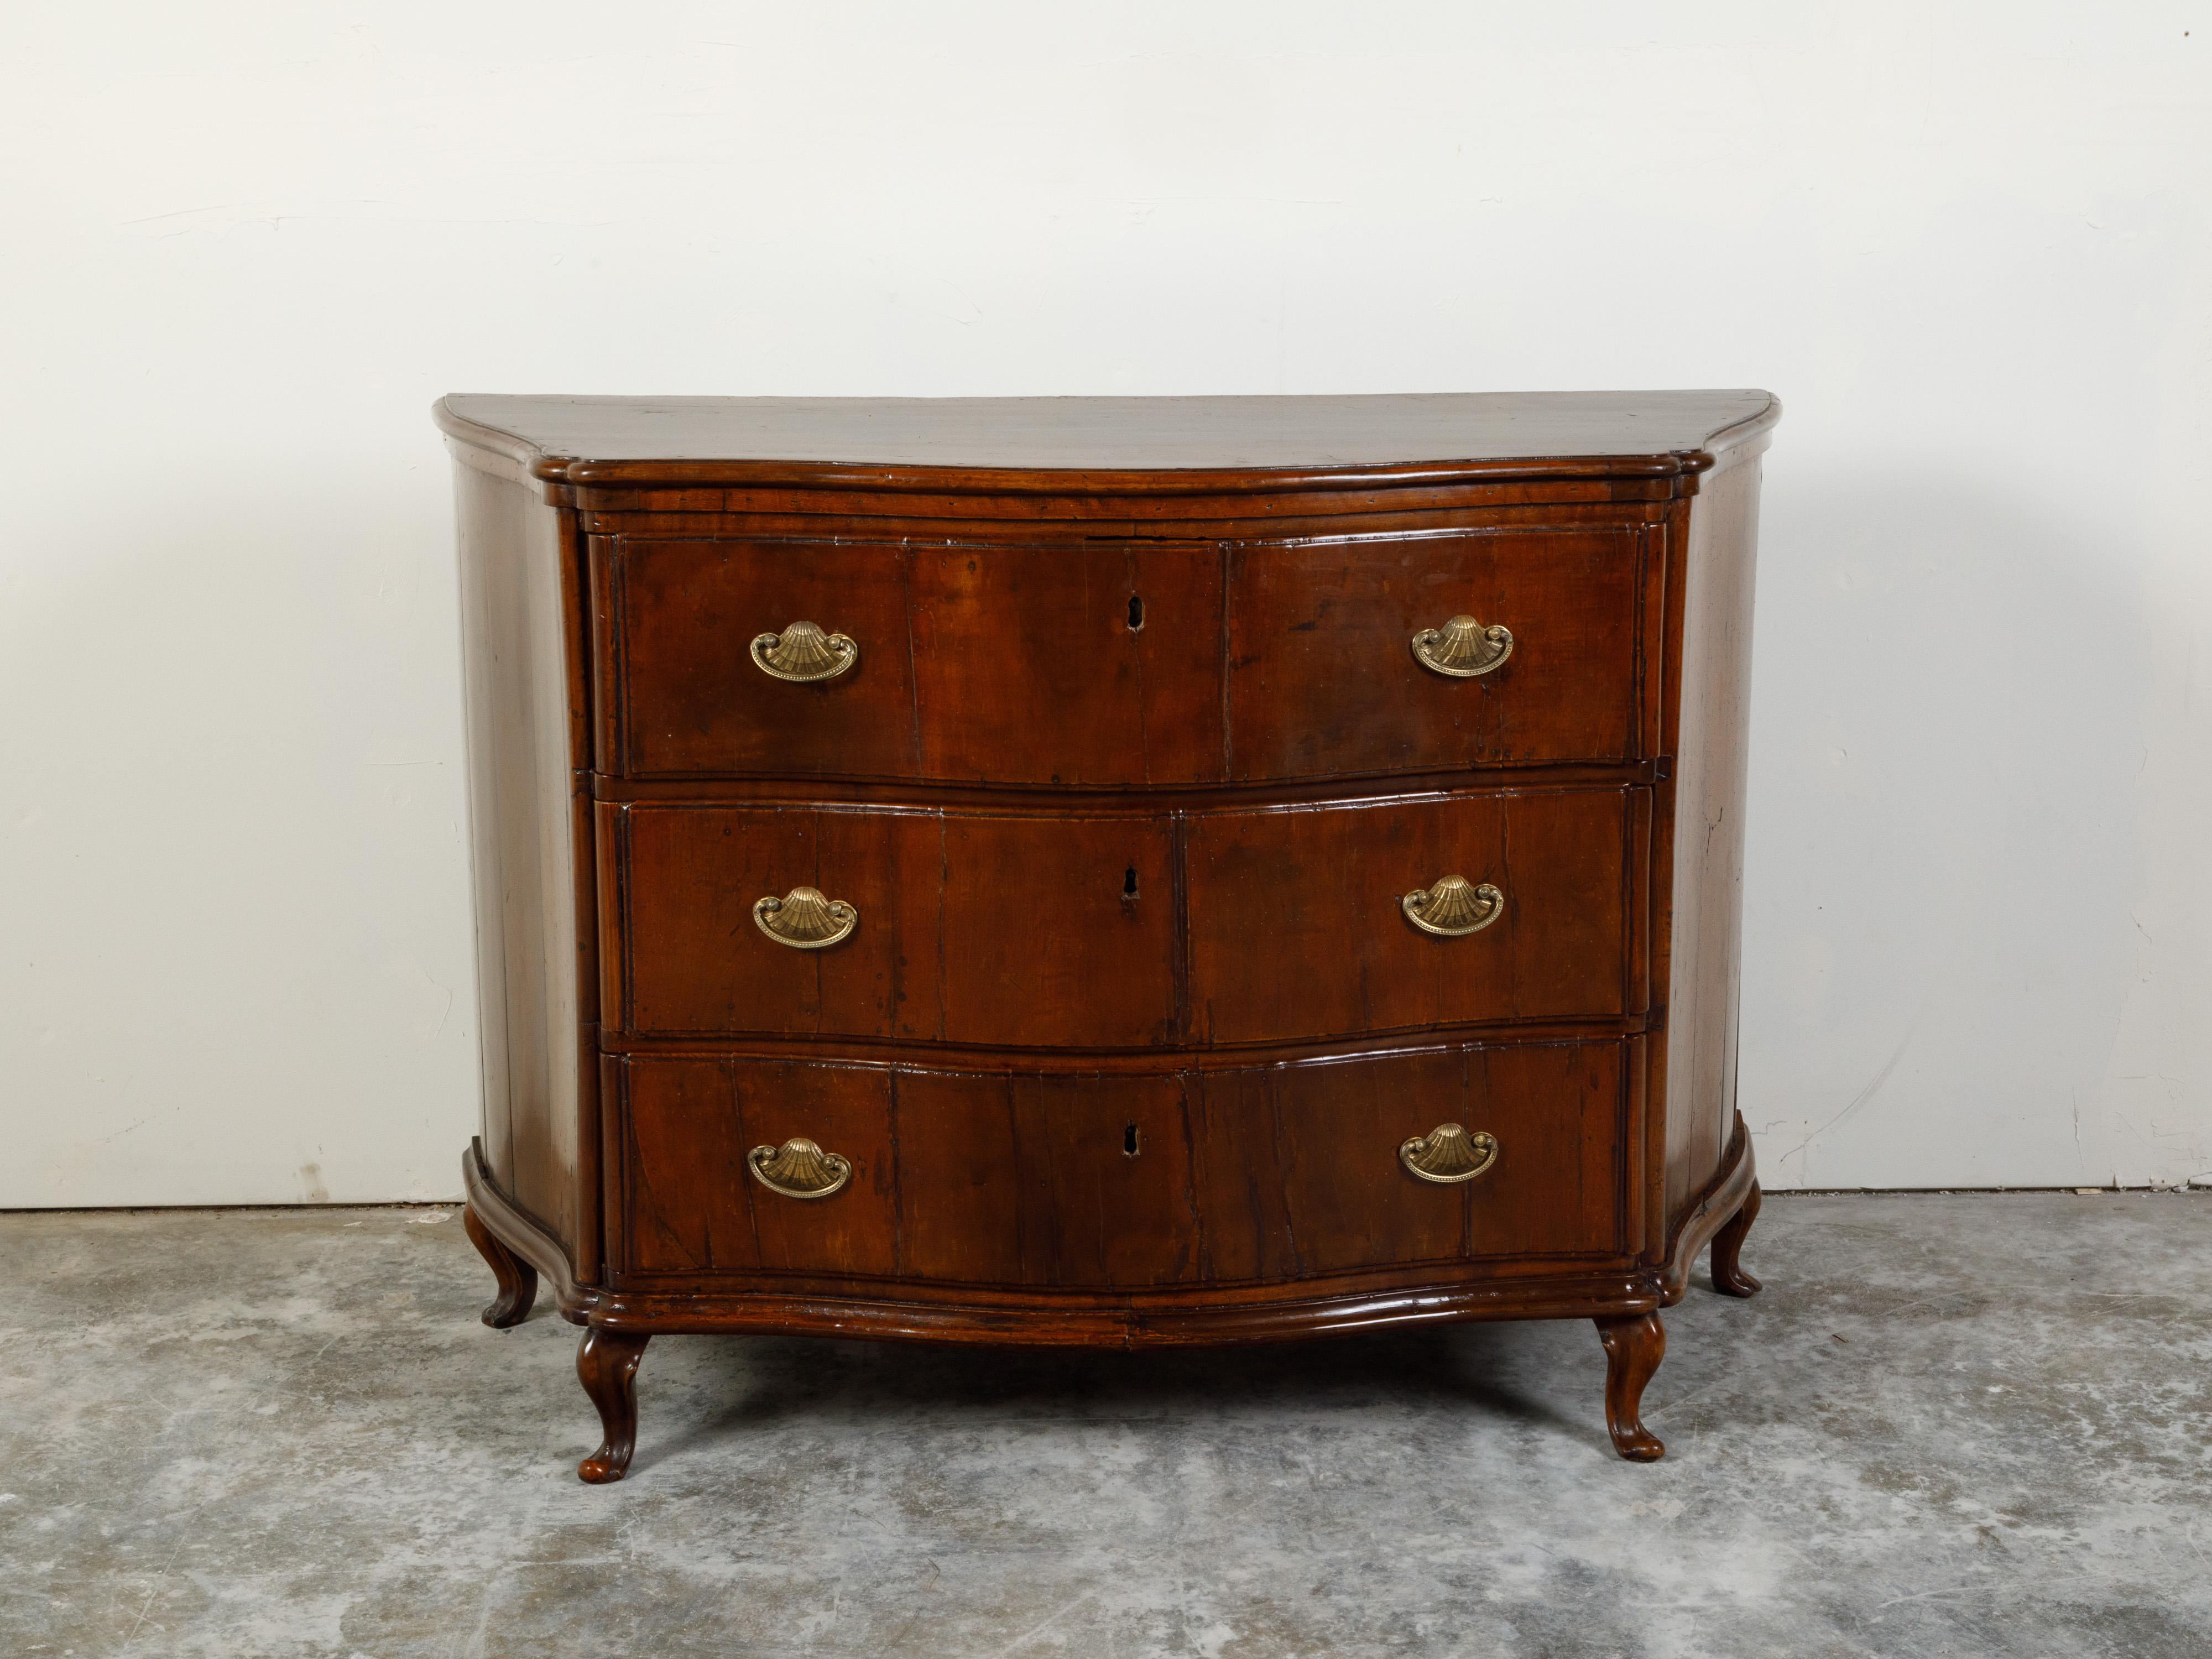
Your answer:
<point x="1462" y="648"/>
<point x="798" y="1169"/>
<point x="1448" y="1154"/>
<point x="1453" y="908"/>
<point x="802" y="653"/>
<point x="803" y="918"/>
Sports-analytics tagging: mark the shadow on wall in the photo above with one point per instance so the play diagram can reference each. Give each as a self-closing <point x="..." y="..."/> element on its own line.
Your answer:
<point x="1946" y="726"/>
<point x="244" y="968"/>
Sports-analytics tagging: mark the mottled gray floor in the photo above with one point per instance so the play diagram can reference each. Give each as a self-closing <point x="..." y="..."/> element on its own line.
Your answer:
<point x="1969" y="1425"/>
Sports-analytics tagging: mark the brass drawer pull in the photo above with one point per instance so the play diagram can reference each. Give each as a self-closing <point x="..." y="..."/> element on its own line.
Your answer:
<point x="802" y="653"/>
<point x="803" y="918"/>
<point x="1453" y="908"/>
<point x="1446" y="1155"/>
<point x="800" y="1169"/>
<point x="1462" y="648"/>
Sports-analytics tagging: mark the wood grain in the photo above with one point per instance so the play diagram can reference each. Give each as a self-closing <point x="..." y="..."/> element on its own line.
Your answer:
<point x="680" y="921"/>
<point x="1297" y="928"/>
<point x="1261" y="1174"/>
<point x="1067" y="446"/>
<point x="686" y="696"/>
<point x="972" y="927"/>
<point x="1086" y="664"/>
<point x="1323" y="680"/>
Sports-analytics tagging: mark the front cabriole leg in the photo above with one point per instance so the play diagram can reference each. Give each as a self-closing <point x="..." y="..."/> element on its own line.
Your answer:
<point x="606" y="1364"/>
<point x="517" y="1279"/>
<point x="1634" y="1344"/>
<point x="1729" y="1276"/>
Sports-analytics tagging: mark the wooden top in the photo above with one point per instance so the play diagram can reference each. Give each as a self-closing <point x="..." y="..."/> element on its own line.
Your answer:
<point x="1111" y="443"/>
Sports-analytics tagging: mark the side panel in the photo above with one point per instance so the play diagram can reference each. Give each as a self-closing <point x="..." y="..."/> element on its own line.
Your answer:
<point x="531" y="864"/>
<point x="1709" y="737"/>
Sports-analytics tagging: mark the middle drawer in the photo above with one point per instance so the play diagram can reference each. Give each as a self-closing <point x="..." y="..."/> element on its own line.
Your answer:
<point x="1130" y="930"/>
<point x="916" y="924"/>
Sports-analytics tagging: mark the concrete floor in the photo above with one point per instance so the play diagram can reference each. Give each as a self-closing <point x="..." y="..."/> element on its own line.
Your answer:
<point x="1952" y="1426"/>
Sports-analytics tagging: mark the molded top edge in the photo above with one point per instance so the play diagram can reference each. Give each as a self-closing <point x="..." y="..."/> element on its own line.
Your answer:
<point x="1111" y="445"/>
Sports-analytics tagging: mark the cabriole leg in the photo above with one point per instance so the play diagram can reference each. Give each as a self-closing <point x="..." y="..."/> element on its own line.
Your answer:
<point x="517" y="1279"/>
<point x="606" y="1364"/>
<point x="1633" y="1348"/>
<point x="1729" y="1276"/>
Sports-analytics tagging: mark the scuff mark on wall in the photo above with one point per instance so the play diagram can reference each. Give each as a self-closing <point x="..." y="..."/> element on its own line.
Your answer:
<point x="1873" y="1085"/>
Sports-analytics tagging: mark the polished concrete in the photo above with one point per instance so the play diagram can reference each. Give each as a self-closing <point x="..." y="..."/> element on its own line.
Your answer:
<point x="1952" y="1426"/>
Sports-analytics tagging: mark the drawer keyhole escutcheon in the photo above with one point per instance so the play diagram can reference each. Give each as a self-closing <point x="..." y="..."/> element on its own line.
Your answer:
<point x="1448" y="1154"/>
<point x="803" y="654"/>
<point x="804" y="918"/>
<point x="1453" y="908"/>
<point x="1136" y="613"/>
<point x="1129" y="1141"/>
<point x="1462" y="648"/>
<point x="1129" y="883"/>
<point x="798" y="1169"/>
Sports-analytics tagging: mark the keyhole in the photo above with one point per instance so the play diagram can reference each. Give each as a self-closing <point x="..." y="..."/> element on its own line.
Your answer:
<point x="1136" y="613"/>
<point x="1129" y="883"/>
<point x="1129" y="1141"/>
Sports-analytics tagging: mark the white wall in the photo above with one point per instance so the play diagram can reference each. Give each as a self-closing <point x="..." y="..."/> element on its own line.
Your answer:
<point x="246" y="244"/>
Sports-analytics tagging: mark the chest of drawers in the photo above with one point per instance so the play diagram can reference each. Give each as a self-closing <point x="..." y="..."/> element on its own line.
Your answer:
<point x="1107" y="870"/>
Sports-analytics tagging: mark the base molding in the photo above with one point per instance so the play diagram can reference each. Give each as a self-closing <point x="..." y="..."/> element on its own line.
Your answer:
<point x="1190" y="1319"/>
<point x="1214" y="1324"/>
<point x="1193" y="1319"/>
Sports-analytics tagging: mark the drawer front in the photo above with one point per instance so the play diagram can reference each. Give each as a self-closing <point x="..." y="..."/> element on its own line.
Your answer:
<point x="952" y="1178"/>
<point x="679" y="692"/>
<point x="1085" y="664"/>
<point x="1299" y="927"/>
<point x="966" y="927"/>
<point x="1117" y="1183"/>
<point x="1302" y="1172"/>
<point x="685" y="1192"/>
<point x="1324" y="678"/>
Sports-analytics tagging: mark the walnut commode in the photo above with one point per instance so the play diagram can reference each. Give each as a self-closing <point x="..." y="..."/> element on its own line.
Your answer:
<point x="1117" y="871"/>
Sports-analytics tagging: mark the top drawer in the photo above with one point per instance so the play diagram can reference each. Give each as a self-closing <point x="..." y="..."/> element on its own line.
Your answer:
<point x="1120" y="664"/>
<point x="1326" y="678"/>
<point x="1076" y="664"/>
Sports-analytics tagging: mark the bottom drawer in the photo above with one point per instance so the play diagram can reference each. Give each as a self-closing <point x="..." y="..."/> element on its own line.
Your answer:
<point x="1113" y="1182"/>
